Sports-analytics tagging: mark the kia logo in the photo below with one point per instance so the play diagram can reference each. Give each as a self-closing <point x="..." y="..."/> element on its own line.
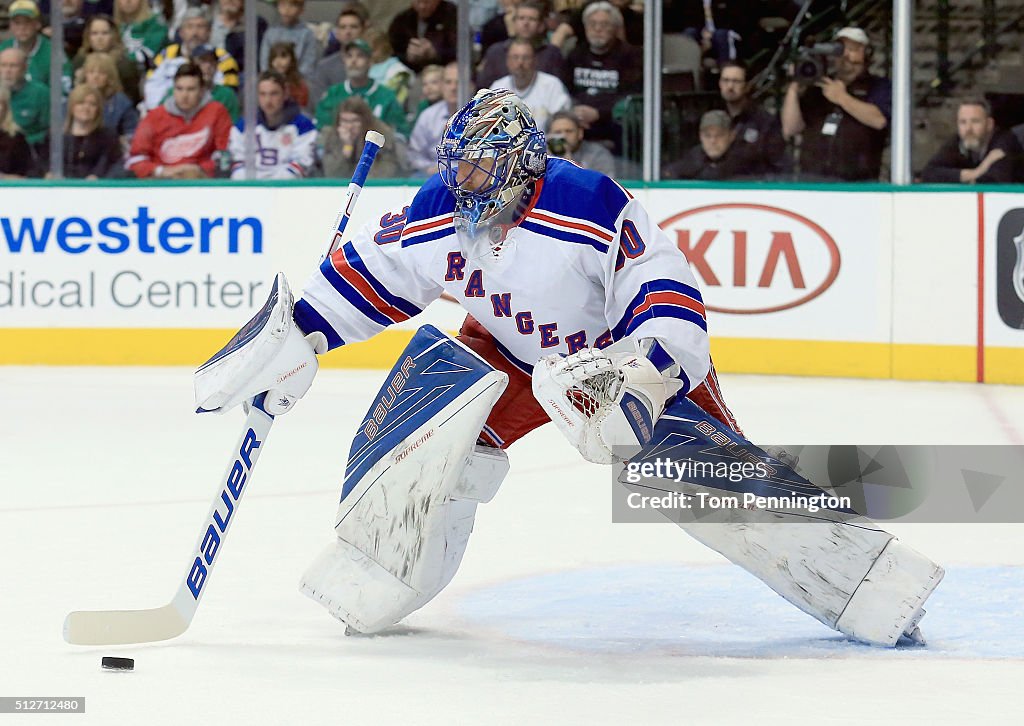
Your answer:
<point x="753" y="258"/>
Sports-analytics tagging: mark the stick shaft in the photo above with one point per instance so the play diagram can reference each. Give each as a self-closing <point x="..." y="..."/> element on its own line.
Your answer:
<point x="371" y="146"/>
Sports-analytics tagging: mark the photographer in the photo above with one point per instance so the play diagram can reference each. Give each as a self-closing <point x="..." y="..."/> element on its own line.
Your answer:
<point x="565" y="140"/>
<point x="843" y="120"/>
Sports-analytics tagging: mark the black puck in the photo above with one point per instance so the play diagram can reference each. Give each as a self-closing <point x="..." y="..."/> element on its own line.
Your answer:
<point x="117" y="664"/>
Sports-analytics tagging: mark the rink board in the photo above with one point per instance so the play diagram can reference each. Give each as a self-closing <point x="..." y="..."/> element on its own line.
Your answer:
<point x="851" y="281"/>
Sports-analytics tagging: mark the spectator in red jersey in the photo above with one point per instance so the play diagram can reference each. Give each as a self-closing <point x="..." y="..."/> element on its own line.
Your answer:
<point x="177" y="139"/>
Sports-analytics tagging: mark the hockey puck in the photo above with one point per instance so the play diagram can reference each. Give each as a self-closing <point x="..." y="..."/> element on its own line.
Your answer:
<point x="111" y="663"/>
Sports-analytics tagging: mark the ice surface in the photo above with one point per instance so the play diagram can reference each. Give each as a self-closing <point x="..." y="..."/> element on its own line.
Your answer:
<point x="557" y="616"/>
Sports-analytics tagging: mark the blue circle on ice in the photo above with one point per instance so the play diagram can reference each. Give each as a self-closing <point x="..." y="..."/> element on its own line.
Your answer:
<point x="720" y="610"/>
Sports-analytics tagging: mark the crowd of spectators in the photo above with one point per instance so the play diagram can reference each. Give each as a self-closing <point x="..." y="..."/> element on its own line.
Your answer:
<point x="152" y="89"/>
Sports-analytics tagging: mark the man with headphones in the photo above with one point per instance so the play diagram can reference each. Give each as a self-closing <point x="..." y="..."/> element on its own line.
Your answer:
<point x="843" y="120"/>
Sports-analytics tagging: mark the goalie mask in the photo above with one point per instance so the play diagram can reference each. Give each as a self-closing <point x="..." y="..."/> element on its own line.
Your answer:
<point x="490" y="155"/>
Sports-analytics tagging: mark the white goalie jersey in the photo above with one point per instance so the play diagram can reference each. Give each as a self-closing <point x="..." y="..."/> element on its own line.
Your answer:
<point x="585" y="267"/>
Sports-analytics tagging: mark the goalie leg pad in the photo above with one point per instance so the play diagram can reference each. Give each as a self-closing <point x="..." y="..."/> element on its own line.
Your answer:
<point x="838" y="567"/>
<point x="414" y="479"/>
<point x="900" y="579"/>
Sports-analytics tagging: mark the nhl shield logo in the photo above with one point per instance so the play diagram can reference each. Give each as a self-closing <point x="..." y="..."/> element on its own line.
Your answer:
<point x="1017" y="276"/>
<point x="1010" y="268"/>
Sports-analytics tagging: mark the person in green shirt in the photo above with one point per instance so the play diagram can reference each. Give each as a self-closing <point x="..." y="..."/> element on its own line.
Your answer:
<point x="143" y="33"/>
<point x="381" y="99"/>
<point x="30" y="101"/>
<point x="25" y="35"/>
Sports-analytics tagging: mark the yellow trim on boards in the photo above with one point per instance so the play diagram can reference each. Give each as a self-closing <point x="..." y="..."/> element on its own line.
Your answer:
<point x="190" y="347"/>
<point x="164" y="347"/>
<point x="801" y="357"/>
<point x="1004" y="365"/>
<point x="926" y="362"/>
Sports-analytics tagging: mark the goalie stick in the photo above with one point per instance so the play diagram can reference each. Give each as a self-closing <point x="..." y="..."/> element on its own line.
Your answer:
<point x="112" y="627"/>
<point x="109" y="627"/>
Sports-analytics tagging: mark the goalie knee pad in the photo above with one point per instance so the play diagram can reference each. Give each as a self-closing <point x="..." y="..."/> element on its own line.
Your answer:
<point x="413" y="482"/>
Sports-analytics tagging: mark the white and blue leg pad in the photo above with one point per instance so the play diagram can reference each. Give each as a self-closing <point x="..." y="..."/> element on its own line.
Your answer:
<point x="833" y="564"/>
<point x="413" y="481"/>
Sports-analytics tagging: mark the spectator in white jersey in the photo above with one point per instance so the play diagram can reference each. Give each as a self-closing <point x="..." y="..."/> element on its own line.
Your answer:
<point x="285" y="139"/>
<point x="542" y="92"/>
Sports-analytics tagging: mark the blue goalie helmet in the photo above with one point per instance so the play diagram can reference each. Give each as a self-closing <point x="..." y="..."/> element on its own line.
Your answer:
<point x="491" y="151"/>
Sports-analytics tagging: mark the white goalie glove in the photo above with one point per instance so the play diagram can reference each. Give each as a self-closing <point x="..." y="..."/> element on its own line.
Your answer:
<point x="270" y="353"/>
<point x="605" y="402"/>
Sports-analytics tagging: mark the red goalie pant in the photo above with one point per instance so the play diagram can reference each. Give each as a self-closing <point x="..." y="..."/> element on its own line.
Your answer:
<point x="517" y="412"/>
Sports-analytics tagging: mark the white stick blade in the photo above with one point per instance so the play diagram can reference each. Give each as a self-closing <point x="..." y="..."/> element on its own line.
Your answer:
<point x="114" y="627"/>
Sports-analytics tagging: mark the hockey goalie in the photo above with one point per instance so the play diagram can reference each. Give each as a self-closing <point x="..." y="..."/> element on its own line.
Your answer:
<point x="581" y="312"/>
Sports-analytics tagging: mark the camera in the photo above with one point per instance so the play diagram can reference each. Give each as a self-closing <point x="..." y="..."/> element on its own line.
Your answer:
<point x="556" y="145"/>
<point x="810" y="63"/>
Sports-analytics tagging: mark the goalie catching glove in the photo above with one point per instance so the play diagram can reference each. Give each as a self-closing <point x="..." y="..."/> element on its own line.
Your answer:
<point x="605" y="402"/>
<point x="270" y="353"/>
